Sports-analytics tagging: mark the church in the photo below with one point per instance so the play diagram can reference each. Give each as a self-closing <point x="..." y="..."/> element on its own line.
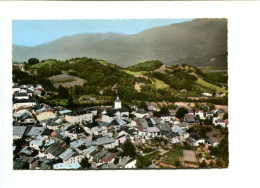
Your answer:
<point x="117" y="112"/>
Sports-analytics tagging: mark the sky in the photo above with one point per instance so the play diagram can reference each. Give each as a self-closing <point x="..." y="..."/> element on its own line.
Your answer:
<point x="36" y="32"/>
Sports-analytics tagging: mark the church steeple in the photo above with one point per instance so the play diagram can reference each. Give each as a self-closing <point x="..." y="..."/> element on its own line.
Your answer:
<point x="117" y="103"/>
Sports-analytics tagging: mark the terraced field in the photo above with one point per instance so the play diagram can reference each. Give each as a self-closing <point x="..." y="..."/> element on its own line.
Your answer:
<point x="210" y="86"/>
<point x="66" y="80"/>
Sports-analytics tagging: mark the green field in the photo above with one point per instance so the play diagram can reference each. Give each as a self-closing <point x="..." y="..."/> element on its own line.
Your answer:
<point x="151" y="156"/>
<point x="210" y="86"/>
<point x="175" y="154"/>
<point x="38" y="65"/>
<point x="134" y="73"/>
<point x="64" y="81"/>
<point x="159" y="84"/>
<point x="59" y="102"/>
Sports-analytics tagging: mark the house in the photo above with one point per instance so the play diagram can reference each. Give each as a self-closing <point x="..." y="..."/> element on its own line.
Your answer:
<point x="63" y="166"/>
<point x="90" y="127"/>
<point x="153" y="132"/>
<point x="131" y="164"/>
<point x="152" y="108"/>
<point x="34" y="131"/>
<point x="173" y="137"/>
<point x="183" y="134"/>
<point x="141" y="113"/>
<point x="189" y="118"/>
<point x="64" y="112"/>
<point x="206" y="94"/>
<point x="166" y="117"/>
<point x="24" y="103"/>
<point x="200" y="113"/>
<point x="183" y="125"/>
<point x="133" y="106"/>
<point x="79" y="116"/>
<point x="108" y="158"/>
<point x="69" y="156"/>
<point x="195" y="139"/>
<point x="118" y="122"/>
<point x="105" y="141"/>
<point x="20" y="96"/>
<point x="75" y="132"/>
<point x="110" y="114"/>
<point x="93" y="153"/>
<point x="172" y="113"/>
<point x="52" y="123"/>
<point x="36" y="144"/>
<point x="28" y="152"/>
<point x="25" y="163"/>
<point x="18" y="132"/>
<point x="99" y="156"/>
<point x="16" y="89"/>
<point x="54" y="151"/>
<point x="219" y="121"/>
<point x="212" y="142"/>
<point x="37" y="93"/>
<point x="124" y="161"/>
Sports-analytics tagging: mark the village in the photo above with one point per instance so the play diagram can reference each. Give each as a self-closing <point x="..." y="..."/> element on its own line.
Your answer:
<point x="111" y="137"/>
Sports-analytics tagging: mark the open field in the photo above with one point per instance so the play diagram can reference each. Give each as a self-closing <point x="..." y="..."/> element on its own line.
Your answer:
<point x="159" y="84"/>
<point x="38" y="65"/>
<point x="66" y="80"/>
<point x="210" y="86"/>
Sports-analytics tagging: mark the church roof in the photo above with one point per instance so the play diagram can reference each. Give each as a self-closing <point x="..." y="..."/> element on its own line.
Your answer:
<point x="117" y="100"/>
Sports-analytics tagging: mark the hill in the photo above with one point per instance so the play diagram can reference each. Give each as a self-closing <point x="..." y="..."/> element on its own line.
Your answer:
<point x="201" y="42"/>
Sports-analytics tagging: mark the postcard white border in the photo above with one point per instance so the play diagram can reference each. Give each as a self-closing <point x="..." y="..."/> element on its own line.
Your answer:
<point x="243" y="47"/>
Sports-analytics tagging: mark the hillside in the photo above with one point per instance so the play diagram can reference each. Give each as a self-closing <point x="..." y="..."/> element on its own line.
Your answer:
<point x="201" y="42"/>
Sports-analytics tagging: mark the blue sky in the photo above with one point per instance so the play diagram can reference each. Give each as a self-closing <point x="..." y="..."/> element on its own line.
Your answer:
<point x="35" y="32"/>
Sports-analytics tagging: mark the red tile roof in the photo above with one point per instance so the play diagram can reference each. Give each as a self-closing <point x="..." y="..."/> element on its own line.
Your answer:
<point x="108" y="158"/>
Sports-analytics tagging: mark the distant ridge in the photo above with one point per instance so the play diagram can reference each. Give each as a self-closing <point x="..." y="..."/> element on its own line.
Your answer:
<point x="201" y="42"/>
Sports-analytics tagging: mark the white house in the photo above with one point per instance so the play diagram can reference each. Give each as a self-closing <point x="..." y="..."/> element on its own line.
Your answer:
<point x="24" y="103"/>
<point x="79" y="116"/>
<point x="219" y="121"/>
<point x="131" y="164"/>
<point x="207" y="94"/>
<point x="166" y="117"/>
<point x="195" y="139"/>
<point x="20" y="96"/>
<point x="153" y="132"/>
<point x="200" y="113"/>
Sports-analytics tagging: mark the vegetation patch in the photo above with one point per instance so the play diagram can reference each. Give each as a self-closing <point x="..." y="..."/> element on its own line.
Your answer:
<point x="41" y="64"/>
<point x="210" y="86"/>
<point x="146" y="66"/>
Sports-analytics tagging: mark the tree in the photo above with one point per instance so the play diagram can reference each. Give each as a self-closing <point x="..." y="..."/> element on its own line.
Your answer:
<point x="225" y="115"/>
<point x="67" y="140"/>
<point x="128" y="149"/>
<point x="62" y="92"/>
<point x="143" y="105"/>
<point x="70" y="102"/>
<point x="203" y="164"/>
<point x="164" y="110"/>
<point x="142" y="162"/>
<point x="181" y="113"/>
<point x="177" y="164"/>
<point x="84" y="163"/>
<point x="33" y="61"/>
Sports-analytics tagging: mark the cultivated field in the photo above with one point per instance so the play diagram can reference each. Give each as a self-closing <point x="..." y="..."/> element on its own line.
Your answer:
<point x="66" y="80"/>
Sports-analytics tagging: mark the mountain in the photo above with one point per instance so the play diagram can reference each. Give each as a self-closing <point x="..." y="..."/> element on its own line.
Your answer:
<point x="201" y="42"/>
